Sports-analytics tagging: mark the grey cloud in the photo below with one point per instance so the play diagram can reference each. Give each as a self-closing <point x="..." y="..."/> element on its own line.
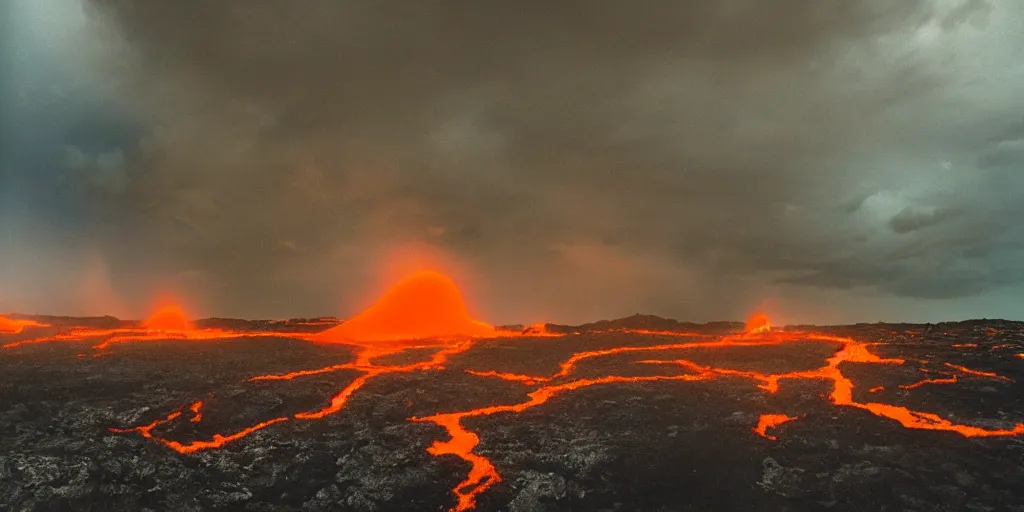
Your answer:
<point x="1007" y="152"/>
<point x="913" y="218"/>
<point x="581" y="158"/>
<point x="975" y="12"/>
<point x="104" y="170"/>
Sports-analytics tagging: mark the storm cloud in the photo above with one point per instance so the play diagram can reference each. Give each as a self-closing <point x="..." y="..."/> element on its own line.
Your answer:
<point x="826" y="161"/>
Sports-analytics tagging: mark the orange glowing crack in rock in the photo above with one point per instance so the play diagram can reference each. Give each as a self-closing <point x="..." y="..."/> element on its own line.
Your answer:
<point x="197" y="413"/>
<point x="943" y="380"/>
<point x="426" y="311"/>
<point x="976" y="373"/>
<point x="483" y="474"/>
<point x="218" y="440"/>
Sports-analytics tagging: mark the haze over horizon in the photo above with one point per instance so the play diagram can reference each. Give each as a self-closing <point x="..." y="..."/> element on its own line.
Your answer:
<point x="825" y="162"/>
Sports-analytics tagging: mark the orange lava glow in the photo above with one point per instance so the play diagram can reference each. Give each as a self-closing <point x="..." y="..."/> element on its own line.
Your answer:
<point x="976" y="373"/>
<point x="170" y="318"/>
<point x="758" y="324"/>
<point x="362" y="364"/>
<point x="483" y="474"/>
<point x="767" y="421"/>
<point x="13" y="326"/>
<point x="426" y="312"/>
<point x="218" y="440"/>
<point x="109" y="337"/>
<point x="423" y="305"/>
<point x="944" y="380"/>
<point x="197" y="413"/>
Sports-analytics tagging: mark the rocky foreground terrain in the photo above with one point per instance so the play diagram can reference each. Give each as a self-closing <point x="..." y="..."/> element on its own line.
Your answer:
<point x="649" y="445"/>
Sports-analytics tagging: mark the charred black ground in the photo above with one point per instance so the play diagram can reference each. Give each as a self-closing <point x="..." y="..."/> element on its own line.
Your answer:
<point x="659" y="446"/>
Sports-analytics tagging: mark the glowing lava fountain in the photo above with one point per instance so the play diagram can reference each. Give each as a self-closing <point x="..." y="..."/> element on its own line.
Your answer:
<point x="425" y="305"/>
<point x="170" y="318"/>
<point x="758" y="324"/>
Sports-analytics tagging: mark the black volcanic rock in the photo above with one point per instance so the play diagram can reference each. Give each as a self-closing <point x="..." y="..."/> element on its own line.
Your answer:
<point x="656" y="446"/>
<point x="649" y="323"/>
<point x="638" y="321"/>
<point x="290" y="325"/>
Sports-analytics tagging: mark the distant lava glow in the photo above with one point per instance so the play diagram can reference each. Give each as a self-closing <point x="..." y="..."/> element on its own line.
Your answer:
<point x="13" y="326"/>
<point x="167" y="323"/>
<point x="425" y="305"/>
<point x="758" y="324"/>
<point x="169" y="318"/>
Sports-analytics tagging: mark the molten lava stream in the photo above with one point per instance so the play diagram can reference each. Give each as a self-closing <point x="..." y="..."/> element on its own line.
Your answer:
<point x="427" y="306"/>
<point x="14" y="326"/>
<point x="483" y="473"/>
<point x="218" y="440"/>
<point x="976" y="373"/>
<point x="767" y="421"/>
<point x="75" y="335"/>
<point x="424" y="305"/>
<point x="169" y="323"/>
<point x="944" y="380"/>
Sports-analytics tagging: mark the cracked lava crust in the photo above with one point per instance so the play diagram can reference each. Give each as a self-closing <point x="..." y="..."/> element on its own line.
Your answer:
<point x="641" y="413"/>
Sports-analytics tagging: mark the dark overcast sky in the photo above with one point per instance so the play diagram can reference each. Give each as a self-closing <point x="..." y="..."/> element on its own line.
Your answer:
<point x="826" y="161"/>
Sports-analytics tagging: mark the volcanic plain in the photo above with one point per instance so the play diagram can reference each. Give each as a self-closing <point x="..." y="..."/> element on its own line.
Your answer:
<point x="636" y="414"/>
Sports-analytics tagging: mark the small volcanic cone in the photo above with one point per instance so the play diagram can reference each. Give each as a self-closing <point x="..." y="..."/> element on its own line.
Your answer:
<point x="758" y="324"/>
<point x="170" y="318"/>
<point x="14" y="326"/>
<point x="423" y="305"/>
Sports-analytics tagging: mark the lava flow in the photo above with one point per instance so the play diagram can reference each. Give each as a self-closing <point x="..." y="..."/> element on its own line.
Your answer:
<point x="483" y="474"/>
<point x="168" y="323"/>
<point x="15" y="326"/>
<point x="426" y="312"/>
<point x="423" y="311"/>
<point x="767" y="421"/>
